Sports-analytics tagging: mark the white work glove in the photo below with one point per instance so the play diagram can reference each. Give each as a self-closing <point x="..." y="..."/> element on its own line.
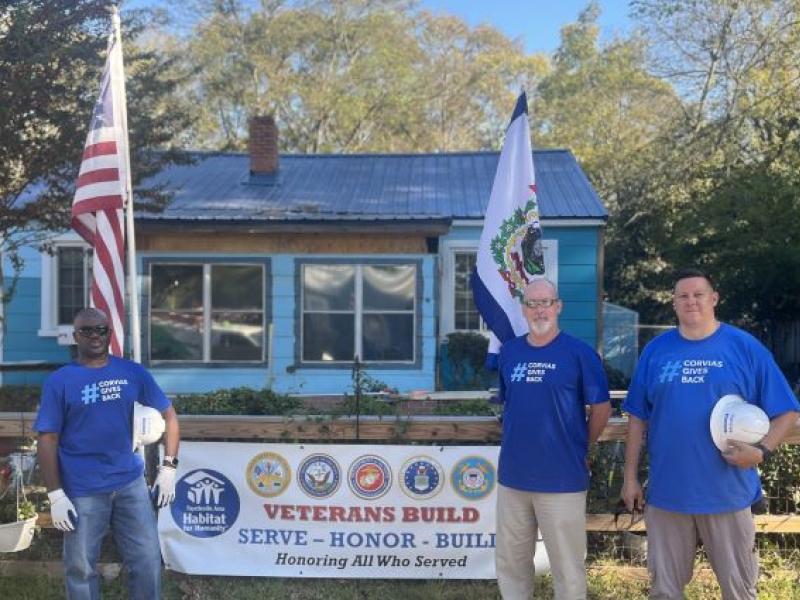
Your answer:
<point x="164" y="485"/>
<point x="62" y="511"/>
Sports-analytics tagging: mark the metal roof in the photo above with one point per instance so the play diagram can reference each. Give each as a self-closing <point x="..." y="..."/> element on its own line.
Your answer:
<point x="356" y="187"/>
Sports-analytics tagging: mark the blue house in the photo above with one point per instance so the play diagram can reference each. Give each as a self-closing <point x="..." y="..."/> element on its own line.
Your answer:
<point x="277" y="271"/>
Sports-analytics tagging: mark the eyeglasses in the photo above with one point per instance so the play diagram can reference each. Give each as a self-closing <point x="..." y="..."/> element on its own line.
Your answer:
<point x="89" y="331"/>
<point x="540" y="303"/>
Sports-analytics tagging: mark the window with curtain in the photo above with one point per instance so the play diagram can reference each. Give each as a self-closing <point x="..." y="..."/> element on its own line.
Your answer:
<point x="352" y="310"/>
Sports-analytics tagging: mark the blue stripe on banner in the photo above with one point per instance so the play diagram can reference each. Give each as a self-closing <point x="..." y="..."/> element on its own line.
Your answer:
<point x="520" y="108"/>
<point x="490" y="310"/>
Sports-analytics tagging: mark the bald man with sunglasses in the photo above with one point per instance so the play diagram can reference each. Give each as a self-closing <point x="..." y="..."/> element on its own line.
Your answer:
<point x="95" y="480"/>
<point x="547" y="379"/>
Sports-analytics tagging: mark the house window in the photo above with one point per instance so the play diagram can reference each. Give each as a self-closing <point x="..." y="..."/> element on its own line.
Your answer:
<point x="458" y="260"/>
<point x="204" y="312"/>
<point x="73" y="274"/>
<point x="465" y="314"/>
<point x="351" y="310"/>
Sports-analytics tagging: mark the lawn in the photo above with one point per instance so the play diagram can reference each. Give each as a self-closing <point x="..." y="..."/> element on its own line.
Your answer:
<point x="778" y="582"/>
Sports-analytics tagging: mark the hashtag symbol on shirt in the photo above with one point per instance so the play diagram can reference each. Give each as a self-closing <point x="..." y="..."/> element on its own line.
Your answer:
<point x="519" y="372"/>
<point x="669" y="371"/>
<point x="89" y="394"/>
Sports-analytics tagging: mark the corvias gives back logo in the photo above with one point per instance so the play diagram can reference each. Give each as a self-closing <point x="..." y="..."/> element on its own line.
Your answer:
<point x="688" y="370"/>
<point x="206" y="503"/>
<point x="103" y="391"/>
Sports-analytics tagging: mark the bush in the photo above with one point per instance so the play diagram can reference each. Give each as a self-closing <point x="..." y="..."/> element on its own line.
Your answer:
<point x="14" y="398"/>
<point x="463" y="360"/>
<point x="238" y="401"/>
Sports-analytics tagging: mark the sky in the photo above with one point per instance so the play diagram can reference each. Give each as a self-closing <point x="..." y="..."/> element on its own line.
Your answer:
<point x="537" y="23"/>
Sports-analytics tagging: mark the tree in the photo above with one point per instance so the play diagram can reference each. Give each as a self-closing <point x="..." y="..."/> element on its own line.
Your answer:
<point x="736" y="147"/>
<point x="601" y="102"/>
<point x="51" y="57"/>
<point x="352" y="76"/>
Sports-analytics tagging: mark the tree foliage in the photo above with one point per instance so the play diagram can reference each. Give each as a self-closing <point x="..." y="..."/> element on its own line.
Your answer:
<point x="688" y="129"/>
<point x="352" y="76"/>
<point x="51" y="56"/>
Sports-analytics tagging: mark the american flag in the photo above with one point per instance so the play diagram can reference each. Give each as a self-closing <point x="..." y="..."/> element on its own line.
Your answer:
<point x="98" y="207"/>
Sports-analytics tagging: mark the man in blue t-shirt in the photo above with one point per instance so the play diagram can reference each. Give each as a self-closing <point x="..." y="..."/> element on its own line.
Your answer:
<point x="547" y="378"/>
<point x="93" y="477"/>
<point x="694" y="490"/>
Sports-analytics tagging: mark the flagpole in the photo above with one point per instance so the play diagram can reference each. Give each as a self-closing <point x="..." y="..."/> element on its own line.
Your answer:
<point x="133" y="291"/>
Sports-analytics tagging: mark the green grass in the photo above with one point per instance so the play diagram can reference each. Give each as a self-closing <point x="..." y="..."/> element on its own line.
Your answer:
<point x="778" y="581"/>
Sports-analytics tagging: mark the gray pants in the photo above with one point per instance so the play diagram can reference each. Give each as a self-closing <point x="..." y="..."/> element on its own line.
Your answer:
<point x="562" y="520"/>
<point x="729" y="542"/>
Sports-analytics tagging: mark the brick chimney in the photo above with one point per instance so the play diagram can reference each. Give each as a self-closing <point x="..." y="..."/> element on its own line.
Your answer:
<point x="263" y="145"/>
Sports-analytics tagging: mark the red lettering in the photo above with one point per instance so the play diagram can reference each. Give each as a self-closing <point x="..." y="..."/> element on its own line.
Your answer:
<point x="337" y="513"/>
<point x="304" y="510"/>
<point x="471" y="515"/>
<point x="272" y="510"/>
<point x="372" y="514"/>
<point x="287" y="512"/>
<point x="354" y="514"/>
<point x="388" y="514"/>
<point x="319" y="513"/>
<point x="410" y="514"/>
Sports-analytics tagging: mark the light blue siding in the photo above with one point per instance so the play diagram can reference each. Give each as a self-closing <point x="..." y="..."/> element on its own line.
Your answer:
<point x="577" y="267"/>
<point x="21" y="339"/>
<point x="291" y="378"/>
<point x="577" y="274"/>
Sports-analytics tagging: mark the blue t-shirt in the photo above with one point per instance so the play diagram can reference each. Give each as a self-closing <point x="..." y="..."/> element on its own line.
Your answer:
<point x="675" y="386"/>
<point x="545" y="391"/>
<point x="92" y="411"/>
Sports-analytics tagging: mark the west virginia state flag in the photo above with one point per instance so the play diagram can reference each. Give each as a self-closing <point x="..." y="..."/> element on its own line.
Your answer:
<point x="510" y="251"/>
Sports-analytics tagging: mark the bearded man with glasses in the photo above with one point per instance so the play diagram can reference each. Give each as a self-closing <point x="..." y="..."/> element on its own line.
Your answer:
<point x="547" y="378"/>
<point x="95" y="480"/>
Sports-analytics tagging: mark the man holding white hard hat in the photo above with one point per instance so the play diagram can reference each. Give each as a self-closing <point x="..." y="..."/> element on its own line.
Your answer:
<point x="715" y="405"/>
<point x="89" y="425"/>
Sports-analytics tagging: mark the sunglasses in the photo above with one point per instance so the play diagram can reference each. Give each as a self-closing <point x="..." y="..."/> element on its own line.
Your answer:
<point x="98" y="330"/>
<point x="543" y="303"/>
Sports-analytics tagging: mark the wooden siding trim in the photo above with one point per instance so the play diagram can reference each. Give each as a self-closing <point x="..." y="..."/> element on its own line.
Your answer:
<point x="283" y="243"/>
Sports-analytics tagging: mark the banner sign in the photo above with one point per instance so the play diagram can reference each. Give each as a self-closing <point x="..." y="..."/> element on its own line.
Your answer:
<point x="342" y="511"/>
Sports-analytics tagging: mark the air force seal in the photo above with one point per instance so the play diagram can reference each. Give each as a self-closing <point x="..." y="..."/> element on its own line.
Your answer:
<point x="422" y="477"/>
<point x="319" y="475"/>
<point x="473" y="478"/>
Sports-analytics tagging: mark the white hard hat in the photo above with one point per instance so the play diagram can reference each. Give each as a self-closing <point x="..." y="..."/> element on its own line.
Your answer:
<point x="148" y="425"/>
<point x="735" y="419"/>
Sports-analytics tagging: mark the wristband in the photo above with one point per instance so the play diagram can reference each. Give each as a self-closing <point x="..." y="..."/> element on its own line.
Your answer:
<point x="765" y="452"/>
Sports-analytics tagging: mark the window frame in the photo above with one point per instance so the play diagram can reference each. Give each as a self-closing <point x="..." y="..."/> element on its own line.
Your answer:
<point x="448" y="250"/>
<point x="48" y="324"/>
<point x="206" y="262"/>
<point x="358" y="312"/>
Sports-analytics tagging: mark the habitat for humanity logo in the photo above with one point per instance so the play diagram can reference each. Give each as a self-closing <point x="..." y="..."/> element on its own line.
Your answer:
<point x="206" y="503"/>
